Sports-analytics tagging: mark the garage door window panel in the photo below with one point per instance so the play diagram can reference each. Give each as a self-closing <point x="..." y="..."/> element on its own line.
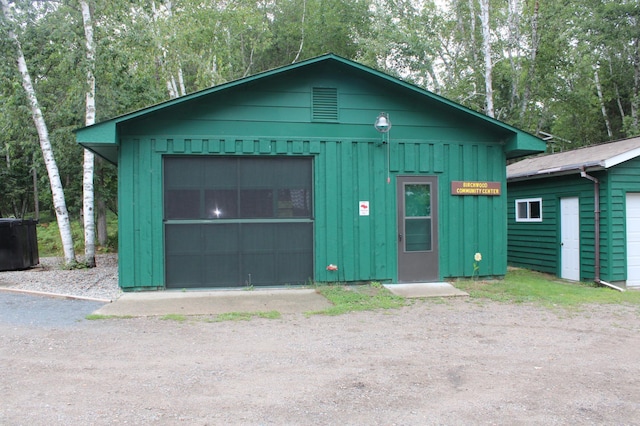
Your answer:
<point x="294" y="203"/>
<point x="256" y="203"/>
<point x="221" y="203"/>
<point x="182" y="204"/>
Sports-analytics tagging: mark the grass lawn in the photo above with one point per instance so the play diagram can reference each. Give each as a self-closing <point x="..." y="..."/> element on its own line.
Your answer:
<point x="524" y="286"/>
<point x="358" y="298"/>
<point x="518" y="286"/>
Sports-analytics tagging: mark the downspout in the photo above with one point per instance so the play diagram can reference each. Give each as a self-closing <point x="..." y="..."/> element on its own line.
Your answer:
<point x="596" y="231"/>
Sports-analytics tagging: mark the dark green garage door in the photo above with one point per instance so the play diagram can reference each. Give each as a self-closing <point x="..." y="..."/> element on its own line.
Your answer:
<point x="237" y="221"/>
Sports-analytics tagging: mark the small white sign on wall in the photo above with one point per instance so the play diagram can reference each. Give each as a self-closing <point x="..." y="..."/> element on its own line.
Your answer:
<point x="364" y="208"/>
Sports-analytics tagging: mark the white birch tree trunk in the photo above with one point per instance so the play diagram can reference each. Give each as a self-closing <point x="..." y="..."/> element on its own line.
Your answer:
<point x="602" y="105"/>
<point x="304" y="12"/>
<point x="618" y="97"/>
<point x="171" y="88"/>
<point x="174" y="88"/>
<point x="488" y="64"/>
<point x="183" y="89"/>
<point x="57" y="190"/>
<point x="89" y="163"/>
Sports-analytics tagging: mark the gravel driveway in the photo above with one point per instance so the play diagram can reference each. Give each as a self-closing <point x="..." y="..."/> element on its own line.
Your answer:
<point x="453" y="362"/>
<point x="95" y="283"/>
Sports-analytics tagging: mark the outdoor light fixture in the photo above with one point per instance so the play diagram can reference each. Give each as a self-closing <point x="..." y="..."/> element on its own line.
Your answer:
<point x="383" y="125"/>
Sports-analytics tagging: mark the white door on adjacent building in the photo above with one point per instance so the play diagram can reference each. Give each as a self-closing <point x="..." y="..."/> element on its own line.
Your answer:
<point x="633" y="240"/>
<point x="570" y="238"/>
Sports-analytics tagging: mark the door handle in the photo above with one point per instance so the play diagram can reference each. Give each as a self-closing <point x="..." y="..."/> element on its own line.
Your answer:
<point x="399" y="237"/>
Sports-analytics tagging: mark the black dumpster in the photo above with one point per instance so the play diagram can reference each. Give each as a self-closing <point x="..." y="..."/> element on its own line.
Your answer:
<point x="18" y="244"/>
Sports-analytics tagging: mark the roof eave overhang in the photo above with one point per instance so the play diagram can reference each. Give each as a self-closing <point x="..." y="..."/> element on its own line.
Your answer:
<point x="621" y="158"/>
<point x="556" y="171"/>
<point x="521" y="144"/>
<point x="101" y="139"/>
<point x="108" y="152"/>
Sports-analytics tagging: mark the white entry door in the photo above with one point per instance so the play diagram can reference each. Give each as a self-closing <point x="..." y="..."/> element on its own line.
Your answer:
<point x="570" y="238"/>
<point x="633" y="240"/>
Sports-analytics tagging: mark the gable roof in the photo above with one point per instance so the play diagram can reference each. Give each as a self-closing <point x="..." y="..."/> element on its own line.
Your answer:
<point x="591" y="158"/>
<point x="102" y="138"/>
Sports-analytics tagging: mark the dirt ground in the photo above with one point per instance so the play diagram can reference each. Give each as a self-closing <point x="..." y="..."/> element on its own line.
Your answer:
<point x="453" y="362"/>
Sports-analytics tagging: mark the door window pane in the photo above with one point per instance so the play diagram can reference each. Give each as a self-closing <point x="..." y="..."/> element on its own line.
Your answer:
<point x="417" y="223"/>
<point x="418" y="234"/>
<point x="417" y="200"/>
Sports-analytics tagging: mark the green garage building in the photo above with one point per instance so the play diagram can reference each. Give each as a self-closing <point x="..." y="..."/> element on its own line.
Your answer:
<point x="576" y="214"/>
<point x="324" y="170"/>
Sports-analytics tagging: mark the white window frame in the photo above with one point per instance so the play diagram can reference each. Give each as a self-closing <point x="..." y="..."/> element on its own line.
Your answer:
<point x="528" y="201"/>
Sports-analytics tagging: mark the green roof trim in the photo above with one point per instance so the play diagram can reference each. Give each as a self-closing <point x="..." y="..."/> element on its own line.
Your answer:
<point x="523" y="144"/>
<point x="98" y="133"/>
<point x="96" y="136"/>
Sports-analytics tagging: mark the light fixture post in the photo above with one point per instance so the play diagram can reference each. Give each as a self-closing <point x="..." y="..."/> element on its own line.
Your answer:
<point x="383" y="125"/>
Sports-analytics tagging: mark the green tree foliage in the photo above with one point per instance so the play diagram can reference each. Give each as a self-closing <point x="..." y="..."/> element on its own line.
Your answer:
<point x="302" y="29"/>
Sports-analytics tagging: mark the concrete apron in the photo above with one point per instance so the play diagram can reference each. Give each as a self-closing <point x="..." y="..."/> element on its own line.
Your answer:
<point x="417" y="290"/>
<point x="217" y="302"/>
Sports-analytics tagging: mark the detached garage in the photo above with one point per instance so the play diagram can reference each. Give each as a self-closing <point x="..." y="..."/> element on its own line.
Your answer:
<point x="324" y="170"/>
<point x="576" y="214"/>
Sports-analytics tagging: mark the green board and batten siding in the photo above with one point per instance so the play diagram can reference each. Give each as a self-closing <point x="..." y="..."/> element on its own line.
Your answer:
<point x="536" y="245"/>
<point x="324" y="111"/>
<point x="360" y="245"/>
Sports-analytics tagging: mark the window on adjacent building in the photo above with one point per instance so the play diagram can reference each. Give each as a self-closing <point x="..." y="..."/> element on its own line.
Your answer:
<point x="529" y="210"/>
